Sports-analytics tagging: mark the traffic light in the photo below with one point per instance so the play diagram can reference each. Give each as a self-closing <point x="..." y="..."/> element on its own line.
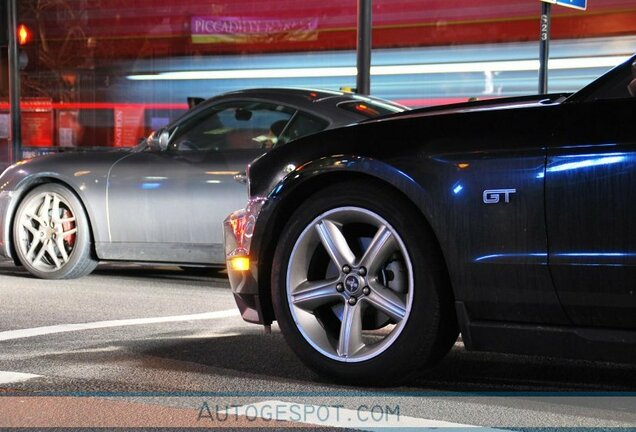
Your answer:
<point x="26" y="54"/>
<point x="24" y="35"/>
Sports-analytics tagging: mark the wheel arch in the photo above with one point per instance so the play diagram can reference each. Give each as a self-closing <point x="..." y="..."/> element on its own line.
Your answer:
<point x="26" y="186"/>
<point x="308" y="179"/>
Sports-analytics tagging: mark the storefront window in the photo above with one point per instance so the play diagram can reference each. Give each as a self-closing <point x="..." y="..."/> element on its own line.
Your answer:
<point x="104" y="73"/>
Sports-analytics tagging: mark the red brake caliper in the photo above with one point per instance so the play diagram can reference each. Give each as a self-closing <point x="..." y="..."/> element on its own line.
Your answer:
<point x="66" y="226"/>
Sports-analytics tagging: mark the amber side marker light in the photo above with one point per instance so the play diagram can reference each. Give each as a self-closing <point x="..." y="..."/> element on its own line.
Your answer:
<point x="240" y="263"/>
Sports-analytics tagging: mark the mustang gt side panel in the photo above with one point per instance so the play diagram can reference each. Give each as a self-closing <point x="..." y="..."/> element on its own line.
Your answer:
<point x="488" y="212"/>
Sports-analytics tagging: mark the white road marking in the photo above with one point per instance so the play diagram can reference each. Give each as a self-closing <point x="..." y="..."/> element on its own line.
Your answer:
<point x="15" y="377"/>
<point x="365" y="417"/>
<point x="63" y="328"/>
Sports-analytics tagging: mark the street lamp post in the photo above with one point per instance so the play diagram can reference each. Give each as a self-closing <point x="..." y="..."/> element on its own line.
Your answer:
<point x="14" y="81"/>
<point x="544" y="53"/>
<point x="363" y="63"/>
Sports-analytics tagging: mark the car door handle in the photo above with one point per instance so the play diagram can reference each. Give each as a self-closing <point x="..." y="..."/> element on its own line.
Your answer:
<point x="241" y="178"/>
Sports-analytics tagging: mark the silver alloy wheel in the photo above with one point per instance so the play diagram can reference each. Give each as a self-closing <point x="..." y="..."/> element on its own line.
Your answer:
<point x="47" y="231"/>
<point x="352" y="289"/>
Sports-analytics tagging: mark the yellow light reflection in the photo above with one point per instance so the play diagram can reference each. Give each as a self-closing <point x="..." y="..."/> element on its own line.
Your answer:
<point x="240" y="263"/>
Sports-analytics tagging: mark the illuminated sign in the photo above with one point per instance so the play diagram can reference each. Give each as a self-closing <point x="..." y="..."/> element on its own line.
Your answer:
<point x="249" y="30"/>
<point x="576" y="4"/>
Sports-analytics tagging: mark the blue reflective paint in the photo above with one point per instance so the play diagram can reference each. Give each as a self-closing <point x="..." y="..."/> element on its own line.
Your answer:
<point x="495" y="257"/>
<point x="597" y="254"/>
<point x="586" y="163"/>
<point x="150" y="186"/>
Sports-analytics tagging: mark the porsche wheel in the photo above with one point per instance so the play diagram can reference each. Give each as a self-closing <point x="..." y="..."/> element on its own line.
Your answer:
<point x="359" y="289"/>
<point x="51" y="234"/>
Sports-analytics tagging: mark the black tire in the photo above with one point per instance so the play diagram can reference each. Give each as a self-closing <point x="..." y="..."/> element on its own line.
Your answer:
<point x="59" y="234"/>
<point x="425" y="333"/>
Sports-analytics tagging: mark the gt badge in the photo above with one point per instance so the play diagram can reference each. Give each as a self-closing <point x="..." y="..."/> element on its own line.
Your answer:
<point x="492" y="196"/>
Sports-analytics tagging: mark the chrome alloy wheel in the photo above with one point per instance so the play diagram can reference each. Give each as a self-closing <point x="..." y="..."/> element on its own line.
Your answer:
<point x="350" y="284"/>
<point x="46" y="231"/>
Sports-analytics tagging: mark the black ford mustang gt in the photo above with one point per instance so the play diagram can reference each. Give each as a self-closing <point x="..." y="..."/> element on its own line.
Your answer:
<point x="510" y="221"/>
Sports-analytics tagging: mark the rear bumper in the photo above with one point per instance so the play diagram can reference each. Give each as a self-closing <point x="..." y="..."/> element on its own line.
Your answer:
<point x="242" y="262"/>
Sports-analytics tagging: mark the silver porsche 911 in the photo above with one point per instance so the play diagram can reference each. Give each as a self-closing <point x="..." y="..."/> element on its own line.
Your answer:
<point x="163" y="201"/>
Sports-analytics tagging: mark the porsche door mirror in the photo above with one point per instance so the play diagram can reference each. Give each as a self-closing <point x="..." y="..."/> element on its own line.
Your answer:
<point x="164" y="137"/>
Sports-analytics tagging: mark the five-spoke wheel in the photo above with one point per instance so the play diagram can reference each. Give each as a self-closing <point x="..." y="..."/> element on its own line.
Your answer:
<point x="50" y="233"/>
<point x="368" y="291"/>
<point x="359" y="288"/>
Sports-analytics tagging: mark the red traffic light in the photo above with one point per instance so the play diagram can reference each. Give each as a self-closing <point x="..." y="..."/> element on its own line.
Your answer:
<point x="24" y="34"/>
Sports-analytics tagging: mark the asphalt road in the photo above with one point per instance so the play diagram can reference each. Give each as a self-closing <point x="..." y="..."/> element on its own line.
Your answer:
<point x="133" y="346"/>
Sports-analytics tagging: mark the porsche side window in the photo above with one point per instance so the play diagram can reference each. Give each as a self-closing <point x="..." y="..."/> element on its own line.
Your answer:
<point x="232" y="126"/>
